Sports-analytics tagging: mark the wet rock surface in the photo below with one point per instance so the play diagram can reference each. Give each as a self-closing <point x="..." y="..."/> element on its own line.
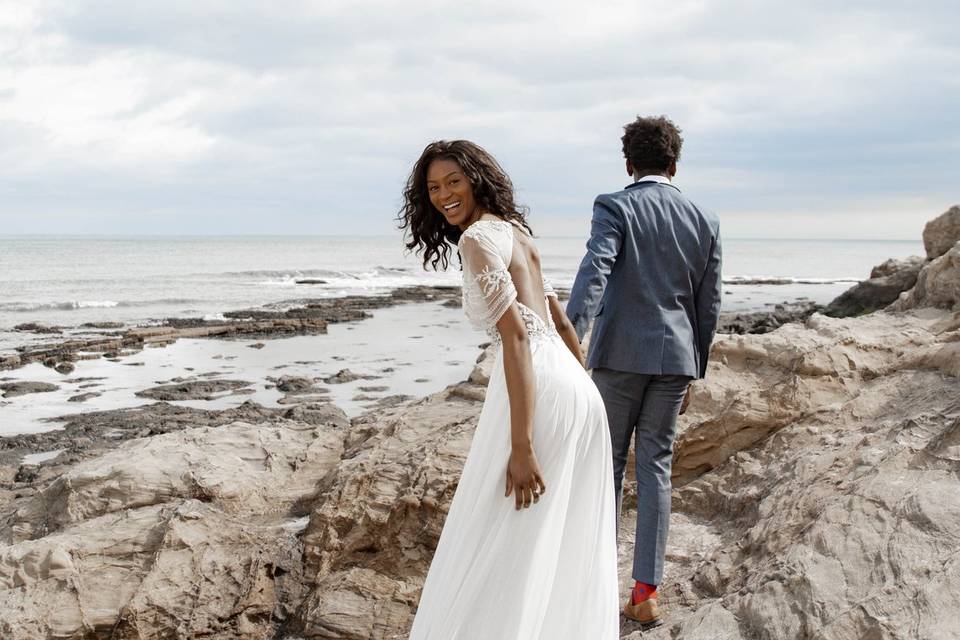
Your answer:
<point x="34" y="327"/>
<point x="306" y="317"/>
<point x="13" y="389"/>
<point x="85" y="434"/>
<point x="192" y="390"/>
<point x="66" y="368"/>
<point x="293" y="384"/>
<point x="766" y="321"/>
<point x="83" y="397"/>
<point x="887" y="281"/>
<point x="345" y="375"/>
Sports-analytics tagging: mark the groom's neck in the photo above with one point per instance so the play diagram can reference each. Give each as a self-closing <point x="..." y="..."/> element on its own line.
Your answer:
<point x="639" y="175"/>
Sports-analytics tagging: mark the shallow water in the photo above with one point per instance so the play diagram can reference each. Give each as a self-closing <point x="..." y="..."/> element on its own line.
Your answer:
<point x="69" y="280"/>
<point x="427" y="346"/>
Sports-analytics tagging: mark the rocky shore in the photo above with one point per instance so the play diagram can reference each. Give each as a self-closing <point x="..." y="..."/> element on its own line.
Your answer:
<point x="816" y="484"/>
<point x="307" y="317"/>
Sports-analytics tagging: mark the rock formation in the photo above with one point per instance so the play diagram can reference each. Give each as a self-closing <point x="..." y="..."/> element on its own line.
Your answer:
<point x="887" y="281"/>
<point x="13" y="389"/>
<point x="942" y="233"/>
<point x="183" y="535"/>
<point x="766" y="321"/>
<point x="192" y="389"/>
<point x="938" y="284"/>
<point x="816" y="476"/>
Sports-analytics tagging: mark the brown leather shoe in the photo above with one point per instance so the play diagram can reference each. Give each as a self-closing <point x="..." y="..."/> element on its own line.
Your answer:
<point x="647" y="613"/>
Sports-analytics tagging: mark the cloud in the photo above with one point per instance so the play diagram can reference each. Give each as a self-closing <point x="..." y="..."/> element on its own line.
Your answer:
<point x="241" y="117"/>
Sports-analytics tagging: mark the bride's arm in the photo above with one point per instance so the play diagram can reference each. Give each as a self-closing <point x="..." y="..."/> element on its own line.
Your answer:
<point x="523" y="471"/>
<point x="565" y="329"/>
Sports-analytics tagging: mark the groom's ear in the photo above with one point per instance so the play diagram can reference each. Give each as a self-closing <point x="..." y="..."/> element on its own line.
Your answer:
<point x="629" y="169"/>
<point x="672" y="169"/>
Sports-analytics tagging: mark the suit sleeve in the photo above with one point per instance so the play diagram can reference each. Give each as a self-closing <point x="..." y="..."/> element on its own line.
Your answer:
<point x="603" y="247"/>
<point x="708" y="303"/>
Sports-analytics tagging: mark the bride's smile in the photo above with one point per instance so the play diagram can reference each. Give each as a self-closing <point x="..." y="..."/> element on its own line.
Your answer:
<point x="450" y="192"/>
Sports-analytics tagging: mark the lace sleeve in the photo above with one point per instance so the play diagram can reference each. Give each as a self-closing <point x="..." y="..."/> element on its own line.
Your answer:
<point x="548" y="288"/>
<point x="488" y="290"/>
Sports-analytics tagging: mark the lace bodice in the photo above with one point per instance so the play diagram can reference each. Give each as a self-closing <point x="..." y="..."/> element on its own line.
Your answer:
<point x="486" y="248"/>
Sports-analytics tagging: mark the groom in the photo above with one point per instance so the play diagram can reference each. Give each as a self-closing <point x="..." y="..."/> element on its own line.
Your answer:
<point x="650" y="281"/>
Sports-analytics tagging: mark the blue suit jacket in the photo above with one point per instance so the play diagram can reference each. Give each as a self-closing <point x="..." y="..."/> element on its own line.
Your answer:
<point x="651" y="279"/>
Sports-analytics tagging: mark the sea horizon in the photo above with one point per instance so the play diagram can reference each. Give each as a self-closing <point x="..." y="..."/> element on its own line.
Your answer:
<point x="4" y="236"/>
<point x="70" y="279"/>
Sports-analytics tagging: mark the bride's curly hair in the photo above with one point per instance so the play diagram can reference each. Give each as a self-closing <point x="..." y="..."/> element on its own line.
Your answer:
<point x="426" y="231"/>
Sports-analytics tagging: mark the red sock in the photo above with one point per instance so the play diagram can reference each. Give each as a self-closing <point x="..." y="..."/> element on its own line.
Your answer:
<point x="643" y="591"/>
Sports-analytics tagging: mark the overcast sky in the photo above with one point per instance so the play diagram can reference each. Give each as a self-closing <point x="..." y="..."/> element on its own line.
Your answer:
<point x="803" y="119"/>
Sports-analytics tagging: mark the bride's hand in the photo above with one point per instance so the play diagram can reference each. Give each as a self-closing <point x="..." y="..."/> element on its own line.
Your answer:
<point x="524" y="478"/>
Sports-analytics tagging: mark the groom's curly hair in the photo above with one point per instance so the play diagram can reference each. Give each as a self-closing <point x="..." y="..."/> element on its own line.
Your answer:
<point x="425" y="229"/>
<point x="651" y="143"/>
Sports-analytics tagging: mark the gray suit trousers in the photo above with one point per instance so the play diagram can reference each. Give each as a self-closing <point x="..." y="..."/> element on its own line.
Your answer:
<point x="645" y="407"/>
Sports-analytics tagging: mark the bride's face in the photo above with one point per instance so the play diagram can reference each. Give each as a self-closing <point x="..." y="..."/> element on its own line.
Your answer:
<point x="450" y="192"/>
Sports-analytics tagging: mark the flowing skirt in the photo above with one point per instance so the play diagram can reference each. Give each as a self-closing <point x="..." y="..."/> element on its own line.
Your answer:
<point x="544" y="573"/>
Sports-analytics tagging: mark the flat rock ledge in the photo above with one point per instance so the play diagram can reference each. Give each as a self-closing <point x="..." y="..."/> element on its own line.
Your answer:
<point x="305" y="317"/>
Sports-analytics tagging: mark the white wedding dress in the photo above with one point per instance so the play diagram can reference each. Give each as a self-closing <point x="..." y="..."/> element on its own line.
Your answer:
<point x="548" y="572"/>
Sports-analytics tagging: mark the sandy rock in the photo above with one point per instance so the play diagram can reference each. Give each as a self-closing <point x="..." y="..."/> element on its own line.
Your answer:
<point x="815" y="522"/>
<point x="757" y="385"/>
<point x="938" y="284"/>
<point x="188" y="534"/>
<point x="480" y="375"/>
<point x="887" y="281"/>
<point x="175" y="570"/>
<point x="787" y="426"/>
<point x="837" y="462"/>
<point x="13" y="389"/>
<point x="91" y="432"/>
<point x="711" y="622"/>
<point x="373" y="531"/>
<point x="942" y="233"/>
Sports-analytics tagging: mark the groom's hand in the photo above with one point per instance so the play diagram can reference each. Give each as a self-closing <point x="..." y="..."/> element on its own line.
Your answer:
<point x="686" y="401"/>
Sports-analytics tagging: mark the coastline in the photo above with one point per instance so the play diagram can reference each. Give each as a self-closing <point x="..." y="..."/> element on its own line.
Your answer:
<point x="81" y="369"/>
<point x="324" y="523"/>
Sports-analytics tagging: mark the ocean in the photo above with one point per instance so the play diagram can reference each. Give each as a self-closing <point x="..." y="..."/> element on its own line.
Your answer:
<point x="70" y="280"/>
<point x="412" y="350"/>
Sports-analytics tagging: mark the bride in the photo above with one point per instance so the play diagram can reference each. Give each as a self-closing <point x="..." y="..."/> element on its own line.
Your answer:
<point x="528" y="548"/>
